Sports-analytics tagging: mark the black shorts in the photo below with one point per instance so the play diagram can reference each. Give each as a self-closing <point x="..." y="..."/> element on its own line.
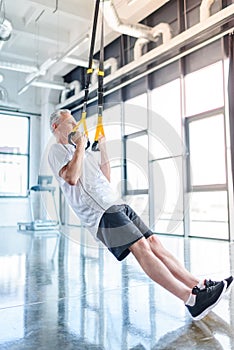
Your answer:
<point x="119" y="228"/>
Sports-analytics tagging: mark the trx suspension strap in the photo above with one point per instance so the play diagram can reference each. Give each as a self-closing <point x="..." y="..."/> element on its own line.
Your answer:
<point x="88" y="80"/>
<point x="99" y="127"/>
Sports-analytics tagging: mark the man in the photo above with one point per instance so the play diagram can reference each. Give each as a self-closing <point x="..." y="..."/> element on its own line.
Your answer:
<point x="86" y="186"/>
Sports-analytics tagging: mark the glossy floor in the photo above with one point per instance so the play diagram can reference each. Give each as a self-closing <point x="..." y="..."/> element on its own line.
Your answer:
<point x="70" y="293"/>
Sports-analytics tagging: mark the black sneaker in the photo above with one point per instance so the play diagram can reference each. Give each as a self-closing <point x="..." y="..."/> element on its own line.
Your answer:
<point x="210" y="283"/>
<point x="206" y="299"/>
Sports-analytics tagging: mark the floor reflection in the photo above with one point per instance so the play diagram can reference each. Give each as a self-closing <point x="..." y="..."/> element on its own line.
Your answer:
<point x="72" y="294"/>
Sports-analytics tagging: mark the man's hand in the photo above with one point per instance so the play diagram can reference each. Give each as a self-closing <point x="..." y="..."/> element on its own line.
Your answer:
<point x="80" y="140"/>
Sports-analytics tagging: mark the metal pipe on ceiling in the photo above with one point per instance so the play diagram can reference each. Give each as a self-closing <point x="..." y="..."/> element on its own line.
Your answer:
<point x="177" y="42"/>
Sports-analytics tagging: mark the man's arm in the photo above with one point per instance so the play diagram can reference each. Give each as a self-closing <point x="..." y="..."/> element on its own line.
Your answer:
<point x="71" y="172"/>
<point x="105" y="164"/>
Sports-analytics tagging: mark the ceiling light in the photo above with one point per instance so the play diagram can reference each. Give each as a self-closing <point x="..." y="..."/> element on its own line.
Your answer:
<point x="26" y="86"/>
<point x="47" y="65"/>
<point x="23" y="89"/>
<point x="42" y="70"/>
<point x="48" y="85"/>
<point x="42" y="84"/>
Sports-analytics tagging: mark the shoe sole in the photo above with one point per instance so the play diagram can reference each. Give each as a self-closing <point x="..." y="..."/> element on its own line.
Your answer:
<point x="229" y="287"/>
<point x="206" y="311"/>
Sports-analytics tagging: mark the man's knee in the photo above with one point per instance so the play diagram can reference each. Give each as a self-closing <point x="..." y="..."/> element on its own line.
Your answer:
<point x="156" y="245"/>
<point x="155" y="240"/>
<point x="140" y="246"/>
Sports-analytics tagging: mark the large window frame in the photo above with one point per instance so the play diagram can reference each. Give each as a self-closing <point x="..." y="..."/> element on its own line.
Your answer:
<point x="188" y="122"/>
<point x="14" y="153"/>
<point x="207" y="59"/>
<point x="198" y="222"/>
<point x="126" y="138"/>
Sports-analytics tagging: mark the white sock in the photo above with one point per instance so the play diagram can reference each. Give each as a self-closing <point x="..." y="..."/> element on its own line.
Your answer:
<point x="201" y="284"/>
<point x="191" y="300"/>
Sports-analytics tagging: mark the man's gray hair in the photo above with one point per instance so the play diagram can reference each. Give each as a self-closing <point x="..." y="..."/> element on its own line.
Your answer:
<point x="55" y="117"/>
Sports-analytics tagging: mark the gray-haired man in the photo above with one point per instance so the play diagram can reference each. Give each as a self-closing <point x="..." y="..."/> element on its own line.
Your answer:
<point x="86" y="187"/>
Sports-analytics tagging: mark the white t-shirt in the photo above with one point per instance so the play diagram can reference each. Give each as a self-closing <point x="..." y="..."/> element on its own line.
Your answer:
<point x="92" y="195"/>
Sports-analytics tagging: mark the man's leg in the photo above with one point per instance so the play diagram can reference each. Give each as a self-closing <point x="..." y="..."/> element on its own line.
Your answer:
<point x="198" y="301"/>
<point x="157" y="270"/>
<point x="173" y="265"/>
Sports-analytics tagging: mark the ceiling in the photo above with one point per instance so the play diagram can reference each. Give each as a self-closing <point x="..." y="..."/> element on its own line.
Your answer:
<point x="45" y="30"/>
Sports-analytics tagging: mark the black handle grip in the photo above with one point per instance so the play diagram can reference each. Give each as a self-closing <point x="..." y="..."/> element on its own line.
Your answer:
<point x="70" y="138"/>
<point x="73" y="143"/>
<point x="95" y="147"/>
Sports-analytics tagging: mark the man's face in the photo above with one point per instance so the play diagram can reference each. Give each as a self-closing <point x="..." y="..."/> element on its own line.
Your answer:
<point x="65" y="125"/>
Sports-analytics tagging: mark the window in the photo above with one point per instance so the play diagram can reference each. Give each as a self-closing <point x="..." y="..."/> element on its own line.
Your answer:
<point x="166" y="150"/>
<point x="136" y="163"/>
<point x="207" y="173"/>
<point x="209" y="214"/>
<point x="167" y="196"/>
<point x="135" y="114"/>
<point x="14" y="155"/>
<point x="204" y="89"/>
<point x="136" y="145"/>
<point x="165" y="121"/>
<point x="207" y="151"/>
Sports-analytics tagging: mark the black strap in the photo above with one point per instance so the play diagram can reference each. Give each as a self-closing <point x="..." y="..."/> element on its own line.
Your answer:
<point x="91" y="51"/>
<point x="89" y="74"/>
<point x="101" y="66"/>
<point x="90" y="67"/>
<point x="99" y="127"/>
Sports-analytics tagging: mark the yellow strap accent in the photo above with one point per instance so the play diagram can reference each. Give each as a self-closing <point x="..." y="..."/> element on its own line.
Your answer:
<point x="99" y="128"/>
<point x="82" y="121"/>
<point x="89" y="70"/>
<point x="83" y="116"/>
<point x="101" y="72"/>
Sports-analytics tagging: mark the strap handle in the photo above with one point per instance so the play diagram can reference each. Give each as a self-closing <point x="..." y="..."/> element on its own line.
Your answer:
<point x="88" y="80"/>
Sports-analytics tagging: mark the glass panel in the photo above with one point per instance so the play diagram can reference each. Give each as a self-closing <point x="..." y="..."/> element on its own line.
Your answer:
<point x="112" y="129"/>
<point x="165" y="121"/>
<point x="209" y="214"/>
<point x="13" y="175"/>
<point x="213" y="259"/>
<point x="163" y="226"/>
<point x="167" y="196"/>
<point x="204" y="89"/>
<point x="207" y="151"/>
<point x="14" y="134"/>
<point x="140" y="204"/>
<point x="135" y="114"/>
<point x="116" y="176"/>
<point x="137" y="163"/>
